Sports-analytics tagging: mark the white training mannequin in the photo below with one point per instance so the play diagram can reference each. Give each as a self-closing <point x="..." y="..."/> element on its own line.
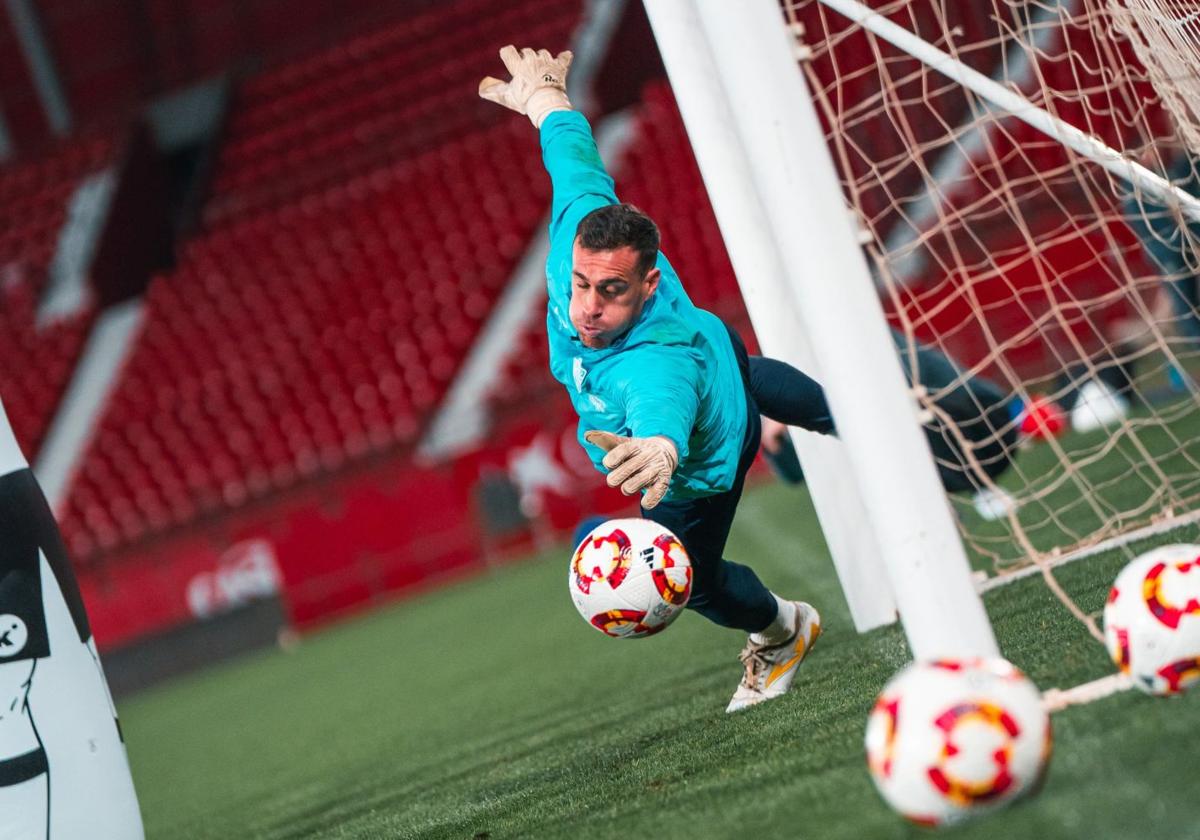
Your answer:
<point x="11" y="457"/>
<point x="63" y="768"/>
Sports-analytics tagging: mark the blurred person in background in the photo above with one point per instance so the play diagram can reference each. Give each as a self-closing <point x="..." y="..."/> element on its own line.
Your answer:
<point x="1170" y="242"/>
<point x="972" y="433"/>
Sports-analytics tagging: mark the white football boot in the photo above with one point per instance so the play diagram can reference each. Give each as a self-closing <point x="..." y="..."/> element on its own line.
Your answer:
<point x="992" y="503"/>
<point x="1096" y="406"/>
<point x="770" y="669"/>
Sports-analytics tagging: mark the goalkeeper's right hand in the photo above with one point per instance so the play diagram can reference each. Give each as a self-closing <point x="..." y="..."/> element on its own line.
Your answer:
<point x="538" y="86"/>
<point x="638" y="463"/>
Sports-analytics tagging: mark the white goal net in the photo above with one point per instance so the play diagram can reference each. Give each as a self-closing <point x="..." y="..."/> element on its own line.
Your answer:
<point x="1068" y="288"/>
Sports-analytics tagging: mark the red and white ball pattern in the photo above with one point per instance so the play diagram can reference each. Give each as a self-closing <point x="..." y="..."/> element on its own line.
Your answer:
<point x="1152" y="619"/>
<point x="950" y="739"/>
<point x="630" y="578"/>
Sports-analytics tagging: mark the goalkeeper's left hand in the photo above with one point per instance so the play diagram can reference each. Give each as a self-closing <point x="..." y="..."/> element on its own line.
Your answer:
<point x="638" y="464"/>
<point x="538" y="86"/>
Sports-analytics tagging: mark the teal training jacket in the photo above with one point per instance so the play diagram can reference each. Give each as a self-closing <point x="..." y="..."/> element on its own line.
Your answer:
<point x="674" y="373"/>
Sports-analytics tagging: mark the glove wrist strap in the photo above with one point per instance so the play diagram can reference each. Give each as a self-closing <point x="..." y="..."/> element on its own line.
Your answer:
<point x="671" y="452"/>
<point x="545" y="101"/>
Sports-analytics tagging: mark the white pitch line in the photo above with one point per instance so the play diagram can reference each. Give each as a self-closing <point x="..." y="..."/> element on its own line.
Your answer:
<point x="1057" y="699"/>
<point x="1151" y="530"/>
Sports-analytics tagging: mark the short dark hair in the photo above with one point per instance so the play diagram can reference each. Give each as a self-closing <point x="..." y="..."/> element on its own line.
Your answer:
<point x="617" y="225"/>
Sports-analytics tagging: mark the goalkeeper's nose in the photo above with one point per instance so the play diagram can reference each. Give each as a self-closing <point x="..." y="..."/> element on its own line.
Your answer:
<point x="592" y="305"/>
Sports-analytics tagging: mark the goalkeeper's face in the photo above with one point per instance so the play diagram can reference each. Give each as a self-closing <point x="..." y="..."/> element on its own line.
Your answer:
<point x="608" y="292"/>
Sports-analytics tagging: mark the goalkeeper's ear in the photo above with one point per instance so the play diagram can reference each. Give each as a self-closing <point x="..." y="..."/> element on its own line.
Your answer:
<point x="651" y="280"/>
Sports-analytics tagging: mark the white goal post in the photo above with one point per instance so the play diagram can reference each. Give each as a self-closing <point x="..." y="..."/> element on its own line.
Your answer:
<point x="1023" y="182"/>
<point x="753" y="253"/>
<point x="830" y="290"/>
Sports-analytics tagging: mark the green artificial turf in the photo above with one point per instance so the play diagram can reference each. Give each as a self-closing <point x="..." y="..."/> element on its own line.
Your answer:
<point x="489" y="709"/>
<point x="1120" y="479"/>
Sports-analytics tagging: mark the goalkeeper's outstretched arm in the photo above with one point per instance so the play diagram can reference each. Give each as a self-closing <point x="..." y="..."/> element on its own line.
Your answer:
<point x="577" y="174"/>
<point x="538" y="90"/>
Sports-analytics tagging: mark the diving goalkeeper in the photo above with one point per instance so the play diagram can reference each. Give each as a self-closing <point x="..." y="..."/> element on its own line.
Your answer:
<point x="667" y="398"/>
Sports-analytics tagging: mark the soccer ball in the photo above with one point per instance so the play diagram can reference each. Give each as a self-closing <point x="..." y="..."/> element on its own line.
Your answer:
<point x="1152" y="619"/>
<point x="951" y="739"/>
<point x="630" y="578"/>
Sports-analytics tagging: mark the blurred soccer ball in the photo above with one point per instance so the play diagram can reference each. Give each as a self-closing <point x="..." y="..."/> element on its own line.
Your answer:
<point x="1042" y="418"/>
<point x="1152" y="619"/>
<point x="950" y="739"/>
<point x="630" y="578"/>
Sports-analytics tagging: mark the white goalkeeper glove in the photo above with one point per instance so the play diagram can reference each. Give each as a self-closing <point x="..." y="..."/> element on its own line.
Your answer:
<point x="538" y="86"/>
<point x="637" y="464"/>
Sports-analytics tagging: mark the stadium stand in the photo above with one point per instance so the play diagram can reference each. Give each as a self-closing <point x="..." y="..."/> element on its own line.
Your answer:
<point x="153" y="47"/>
<point x="369" y="102"/>
<point x="294" y="337"/>
<point x="34" y="197"/>
<point x="288" y="344"/>
<point x="353" y="246"/>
